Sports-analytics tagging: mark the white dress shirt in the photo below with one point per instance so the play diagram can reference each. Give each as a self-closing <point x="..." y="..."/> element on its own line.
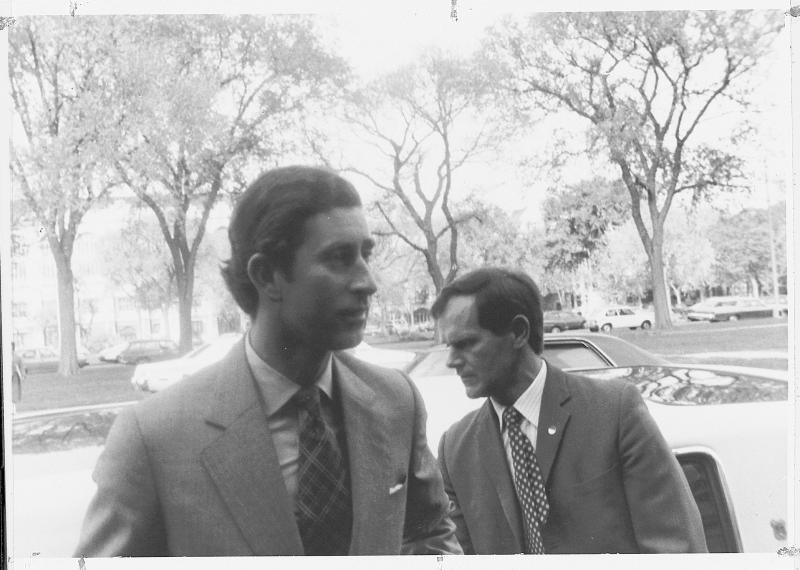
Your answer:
<point x="528" y="405"/>
<point x="282" y="415"/>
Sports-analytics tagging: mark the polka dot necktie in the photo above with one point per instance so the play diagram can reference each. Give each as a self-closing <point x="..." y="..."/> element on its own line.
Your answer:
<point x="528" y="482"/>
<point x="323" y="504"/>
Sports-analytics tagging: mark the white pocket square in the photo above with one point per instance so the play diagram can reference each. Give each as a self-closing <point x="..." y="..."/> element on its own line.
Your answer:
<point x="395" y="488"/>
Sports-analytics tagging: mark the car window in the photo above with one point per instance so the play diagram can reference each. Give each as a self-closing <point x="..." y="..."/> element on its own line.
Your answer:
<point x="626" y="312"/>
<point x="611" y="312"/>
<point x="573" y="355"/>
<point x="705" y="483"/>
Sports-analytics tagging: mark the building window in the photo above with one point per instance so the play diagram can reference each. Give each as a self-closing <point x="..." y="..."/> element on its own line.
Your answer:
<point x="19" y="310"/>
<point x="17" y="270"/>
<point x="125" y="304"/>
<point x="18" y="247"/>
<point x="19" y="339"/>
<point x="51" y="335"/>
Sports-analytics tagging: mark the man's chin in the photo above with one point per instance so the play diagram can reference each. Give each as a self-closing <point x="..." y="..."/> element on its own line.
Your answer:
<point x="474" y="392"/>
<point x="348" y="340"/>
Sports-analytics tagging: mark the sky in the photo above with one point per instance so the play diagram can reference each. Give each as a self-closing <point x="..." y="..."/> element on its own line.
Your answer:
<point x="374" y="40"/>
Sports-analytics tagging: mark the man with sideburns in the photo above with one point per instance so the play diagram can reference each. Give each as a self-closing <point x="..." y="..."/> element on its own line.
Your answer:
<point x="288" y="445"/>
<point x="551" y="462"/>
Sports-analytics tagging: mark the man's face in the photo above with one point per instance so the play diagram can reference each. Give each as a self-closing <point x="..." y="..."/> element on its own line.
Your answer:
<point x="484" y="360"/>
<point x="325" y="297"/>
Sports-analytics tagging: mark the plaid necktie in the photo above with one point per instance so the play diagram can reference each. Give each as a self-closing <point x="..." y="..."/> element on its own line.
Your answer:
<point x="323" y="505"/>
<point x="528" y="482"/>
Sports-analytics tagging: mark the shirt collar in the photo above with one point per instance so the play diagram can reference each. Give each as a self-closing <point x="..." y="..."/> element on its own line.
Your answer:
<point x="530" y="401"/>
<point x="276" y="388"/>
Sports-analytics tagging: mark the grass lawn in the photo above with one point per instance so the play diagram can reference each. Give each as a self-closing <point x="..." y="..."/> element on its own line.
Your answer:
<point x="754" y="342"/>
<point x="94" y="384"/>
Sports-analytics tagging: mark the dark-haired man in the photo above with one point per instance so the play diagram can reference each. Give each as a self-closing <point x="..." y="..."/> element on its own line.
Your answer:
<point x="287" y="446"/>
<point x="552" y="462"/>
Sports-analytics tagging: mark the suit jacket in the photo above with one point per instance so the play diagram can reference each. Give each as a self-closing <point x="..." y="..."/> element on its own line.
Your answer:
<point x="612" y="481"/>
<point x="193" y="471"/>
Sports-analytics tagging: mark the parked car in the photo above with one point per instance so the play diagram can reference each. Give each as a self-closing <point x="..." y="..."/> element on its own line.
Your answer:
<point x="620" y="316"/>
<point x="139" y="351"/>
<point x="46" y="359"/>
<point x="727" y="428"/>
<point x="398" y="327"/>
<point x="729" y="309"/>
<point x="557" y="321"/>
<point x="155" y="376"/>
<point x="111" y="354"/>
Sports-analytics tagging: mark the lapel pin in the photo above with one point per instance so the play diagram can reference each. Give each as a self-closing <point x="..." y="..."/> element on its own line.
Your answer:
<point x="551" y="430"/>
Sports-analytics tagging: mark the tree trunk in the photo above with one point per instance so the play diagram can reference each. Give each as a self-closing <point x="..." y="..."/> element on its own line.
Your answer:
<point x="185" y="294"/>
<point x="68" y="360"/>
<point x="677" y="291"/>
<point x="166" y="333"/>
<point x="755" y="288"/>
<point x="659" y="282"/>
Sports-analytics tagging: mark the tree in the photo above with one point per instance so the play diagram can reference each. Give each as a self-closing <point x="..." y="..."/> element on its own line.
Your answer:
<point x="742" y="247"/>
<point x="209" y="96"/>
<point x="495" y="237"/>
<point x="135" y="259"/>
<point x="620" y="269"/>
<point x="577" y="219"/>
<point x="645" y="83"/>
<point x="688" y="253"/>
<point x="426" y="122"/>
<point x="62" y="99"/>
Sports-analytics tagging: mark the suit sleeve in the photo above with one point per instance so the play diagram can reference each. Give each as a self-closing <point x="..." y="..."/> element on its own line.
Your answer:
<point x="428" y="529"/>
<point x="664" y="515"/>
<point x="123" y="518"/>
<point x="462" y="534"/>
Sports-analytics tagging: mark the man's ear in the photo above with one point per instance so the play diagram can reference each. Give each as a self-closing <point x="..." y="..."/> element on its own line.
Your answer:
<point x="263" y="276"/>
<point x="521" y="329"/>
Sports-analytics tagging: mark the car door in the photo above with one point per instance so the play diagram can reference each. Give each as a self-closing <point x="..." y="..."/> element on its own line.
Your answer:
<point x="628" y="318"/>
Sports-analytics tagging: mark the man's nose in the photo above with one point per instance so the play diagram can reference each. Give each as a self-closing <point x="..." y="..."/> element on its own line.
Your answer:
<point x="453" y="359"/>
<point x="363" y="282"/>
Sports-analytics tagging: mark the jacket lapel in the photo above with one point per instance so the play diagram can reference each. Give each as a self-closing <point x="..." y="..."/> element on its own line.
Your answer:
<point x="368" y="447"/>
<point x="553" y="419"/>
<point x="243" y="462"/>
<point x="490" y="453"/>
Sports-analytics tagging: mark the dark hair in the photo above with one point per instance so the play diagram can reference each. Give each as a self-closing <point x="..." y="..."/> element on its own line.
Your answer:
<point x="500" y="295"/>
<point x="269" y="218"/>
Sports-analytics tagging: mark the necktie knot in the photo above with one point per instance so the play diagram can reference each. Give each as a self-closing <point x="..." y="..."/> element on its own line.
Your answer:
<point x="511" y="417"/>
<point x="307" y="399"/>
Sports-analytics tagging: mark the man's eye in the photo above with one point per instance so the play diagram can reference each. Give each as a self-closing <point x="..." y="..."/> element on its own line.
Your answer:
<point x="340" y="256"/>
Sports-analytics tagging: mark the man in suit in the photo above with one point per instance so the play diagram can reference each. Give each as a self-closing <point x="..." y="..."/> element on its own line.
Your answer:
<point x="552" y="462"/>
<point x="287" y="446"/>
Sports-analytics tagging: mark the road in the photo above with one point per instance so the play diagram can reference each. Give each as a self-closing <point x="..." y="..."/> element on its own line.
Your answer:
<point x="52" y="462"/>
